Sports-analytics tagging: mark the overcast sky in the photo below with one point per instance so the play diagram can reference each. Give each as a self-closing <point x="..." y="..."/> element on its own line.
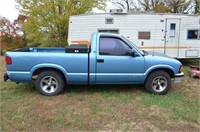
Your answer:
<point x="8" y="10"/>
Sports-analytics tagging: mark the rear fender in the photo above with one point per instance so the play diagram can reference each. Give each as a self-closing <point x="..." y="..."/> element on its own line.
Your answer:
<point x="49" y="65"/>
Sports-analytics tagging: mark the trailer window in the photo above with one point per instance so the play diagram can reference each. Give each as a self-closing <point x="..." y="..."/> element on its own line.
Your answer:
<point x="193" y="34"/>
<point x="144" y="35"/>
<point x="172" y="30"/>
<point x="109" y="21"/>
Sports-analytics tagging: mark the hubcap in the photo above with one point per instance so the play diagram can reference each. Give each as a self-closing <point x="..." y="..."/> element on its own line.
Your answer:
<point x="159" y="84"/>
<point x="49" y="84"/>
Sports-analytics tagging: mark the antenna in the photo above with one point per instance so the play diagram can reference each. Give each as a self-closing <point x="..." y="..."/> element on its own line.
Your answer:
<point x="154" y="39"/>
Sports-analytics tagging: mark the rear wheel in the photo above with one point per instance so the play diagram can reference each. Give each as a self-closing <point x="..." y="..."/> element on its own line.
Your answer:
<point x="49" y="83"/>
<point x="158" y="82"/>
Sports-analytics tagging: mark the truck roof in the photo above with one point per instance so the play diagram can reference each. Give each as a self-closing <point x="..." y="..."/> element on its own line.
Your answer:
<point x="108" y="34"/>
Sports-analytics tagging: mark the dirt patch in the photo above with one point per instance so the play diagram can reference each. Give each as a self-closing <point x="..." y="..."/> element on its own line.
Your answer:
<point x="2" y="68"/>
<point x="189" y="86"/>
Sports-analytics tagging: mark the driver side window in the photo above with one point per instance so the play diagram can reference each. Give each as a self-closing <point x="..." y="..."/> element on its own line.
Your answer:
<point x="113" y="46"/>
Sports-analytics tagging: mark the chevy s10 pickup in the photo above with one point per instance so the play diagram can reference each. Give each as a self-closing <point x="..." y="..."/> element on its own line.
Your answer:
<point x="110" y="59"/>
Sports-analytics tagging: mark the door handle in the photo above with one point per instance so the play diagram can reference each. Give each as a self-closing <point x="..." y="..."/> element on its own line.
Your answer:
<point x="100" y="60"/>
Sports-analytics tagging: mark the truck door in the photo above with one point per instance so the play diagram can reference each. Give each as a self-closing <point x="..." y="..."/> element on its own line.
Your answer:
<point x="114" y="65"/>
<point x="172" y="37"/>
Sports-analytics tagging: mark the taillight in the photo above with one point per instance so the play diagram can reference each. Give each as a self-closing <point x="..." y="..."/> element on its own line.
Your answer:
<point x="8" y="60"/>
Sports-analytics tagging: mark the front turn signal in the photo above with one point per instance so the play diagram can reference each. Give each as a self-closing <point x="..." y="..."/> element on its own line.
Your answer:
<point x="181" y="69"/>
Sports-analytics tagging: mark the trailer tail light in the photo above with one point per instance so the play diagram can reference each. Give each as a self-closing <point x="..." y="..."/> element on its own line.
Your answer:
<point x="8" y="60"/>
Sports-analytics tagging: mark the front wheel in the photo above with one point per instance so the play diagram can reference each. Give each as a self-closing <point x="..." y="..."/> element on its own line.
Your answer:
<point x="158" y="82"/>
<point x="49" y="83"/>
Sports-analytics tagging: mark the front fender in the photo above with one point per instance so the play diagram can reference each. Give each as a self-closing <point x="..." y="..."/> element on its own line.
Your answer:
<point x="155" y="67"/>
<point x="49" y="65"/>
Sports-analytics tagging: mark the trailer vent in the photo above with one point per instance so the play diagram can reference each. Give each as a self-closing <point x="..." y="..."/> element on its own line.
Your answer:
<point x="118" y="11"/>
<point x="115" y="31"/>
<point x="109" y="21"/>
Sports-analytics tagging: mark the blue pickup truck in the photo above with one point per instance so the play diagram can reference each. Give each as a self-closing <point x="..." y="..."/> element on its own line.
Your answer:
<point x="110" y="59"/>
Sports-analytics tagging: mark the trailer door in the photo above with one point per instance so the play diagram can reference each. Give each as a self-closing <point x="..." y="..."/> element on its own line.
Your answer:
<point x="172" y="37"/>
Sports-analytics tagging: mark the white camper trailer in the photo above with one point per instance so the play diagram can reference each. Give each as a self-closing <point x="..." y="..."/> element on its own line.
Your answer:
<point x="175" y="35"/>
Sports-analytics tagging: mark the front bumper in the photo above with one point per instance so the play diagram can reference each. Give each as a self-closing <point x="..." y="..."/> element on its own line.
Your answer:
<point x="178" y="77"/>
<point x="5" y="77"/>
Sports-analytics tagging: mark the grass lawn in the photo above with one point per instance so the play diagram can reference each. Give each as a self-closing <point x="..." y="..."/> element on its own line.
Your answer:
<point x="103" y="108"/>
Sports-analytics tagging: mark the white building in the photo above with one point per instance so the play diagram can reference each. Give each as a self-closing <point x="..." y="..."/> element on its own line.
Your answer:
<point x="172" y="34"/>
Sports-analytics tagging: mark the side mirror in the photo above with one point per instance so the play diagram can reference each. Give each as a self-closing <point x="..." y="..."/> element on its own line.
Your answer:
<point x="131" y="53"/>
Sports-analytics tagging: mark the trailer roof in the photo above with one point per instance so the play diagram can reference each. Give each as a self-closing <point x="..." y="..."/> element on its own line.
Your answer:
<point x="140" y="13"/>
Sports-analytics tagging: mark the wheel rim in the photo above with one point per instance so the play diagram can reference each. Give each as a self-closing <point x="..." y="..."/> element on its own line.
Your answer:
<point x="159" y="84"/>
<point x="48" y="84"/>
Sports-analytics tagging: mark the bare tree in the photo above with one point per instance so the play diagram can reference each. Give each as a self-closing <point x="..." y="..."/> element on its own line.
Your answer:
<point x="164" y="6"/>
<point x="179" y="6"/>
<point x="9" y="37"/>
<point x="125" y="4"/>
<point x="152" y="5"/>
<point x="161" y="8"/>
<point x="7" y="28"/>
<point x="196" y="6"/>
<point x="155" y="3"/>
<point x="145" y="4"/>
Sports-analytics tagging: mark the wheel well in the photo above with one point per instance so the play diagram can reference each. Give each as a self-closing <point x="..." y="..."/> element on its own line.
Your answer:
<point x="38" y="71"/>
<point x="168" y="71"/>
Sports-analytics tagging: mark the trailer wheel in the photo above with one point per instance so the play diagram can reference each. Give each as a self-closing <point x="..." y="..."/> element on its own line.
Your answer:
<point x="49" y="83"/>
<point x="158" y="82"/>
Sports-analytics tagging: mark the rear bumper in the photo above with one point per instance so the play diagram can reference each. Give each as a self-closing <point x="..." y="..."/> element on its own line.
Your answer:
<point x="5" y="77"/>
<point x="178" y="77"/>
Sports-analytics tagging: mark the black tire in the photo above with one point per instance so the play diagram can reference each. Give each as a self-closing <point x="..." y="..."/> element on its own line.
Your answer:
<point x="49" y="83"/>
<point x="158" y="82"/>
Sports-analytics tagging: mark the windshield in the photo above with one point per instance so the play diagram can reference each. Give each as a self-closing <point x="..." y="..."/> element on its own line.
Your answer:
<point x="133" y="45"/>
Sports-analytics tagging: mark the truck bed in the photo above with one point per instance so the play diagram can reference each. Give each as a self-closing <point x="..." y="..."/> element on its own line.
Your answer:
<point x="35" y="49"/>
<point x="74" y="48"/>
<point x="27" y="61"/>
